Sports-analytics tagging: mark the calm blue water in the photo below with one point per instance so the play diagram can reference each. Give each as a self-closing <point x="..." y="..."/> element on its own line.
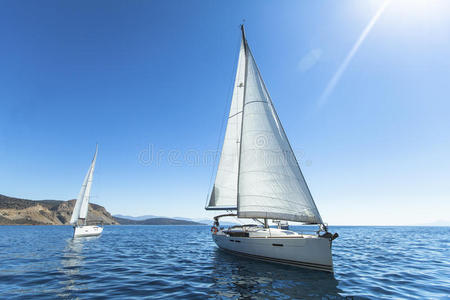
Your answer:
<point x="183" y="262"/>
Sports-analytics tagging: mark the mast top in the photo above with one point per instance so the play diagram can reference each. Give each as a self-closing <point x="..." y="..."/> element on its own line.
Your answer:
<point x="243" y="37"/>
<point x="243" y="32"/>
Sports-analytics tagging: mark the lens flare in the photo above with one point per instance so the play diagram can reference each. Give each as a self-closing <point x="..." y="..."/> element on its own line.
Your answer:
<point x="337" y="76"/>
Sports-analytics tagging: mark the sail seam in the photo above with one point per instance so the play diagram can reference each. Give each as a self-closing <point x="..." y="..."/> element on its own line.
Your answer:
<point x="250" y="102"/>
<point x="235" y="114"/>
<point x="284" y="200"/>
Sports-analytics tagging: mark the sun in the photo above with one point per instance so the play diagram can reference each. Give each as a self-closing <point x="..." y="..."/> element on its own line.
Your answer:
<point x="420" y="10"/>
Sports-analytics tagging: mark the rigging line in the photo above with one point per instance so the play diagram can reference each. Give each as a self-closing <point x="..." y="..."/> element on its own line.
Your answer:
<point x="227" y="105"/>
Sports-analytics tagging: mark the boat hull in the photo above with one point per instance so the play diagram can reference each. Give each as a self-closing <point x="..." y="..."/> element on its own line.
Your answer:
<point x="83" y="231"/>
<point x="305" y="252"/>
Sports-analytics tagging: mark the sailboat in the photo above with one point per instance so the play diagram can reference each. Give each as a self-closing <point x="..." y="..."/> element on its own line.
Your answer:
<point x="80" y="210"/>
<point x="259" y="178"/>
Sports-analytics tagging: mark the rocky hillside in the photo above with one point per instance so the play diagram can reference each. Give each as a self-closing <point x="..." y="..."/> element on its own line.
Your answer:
<point x="15" y="211"/>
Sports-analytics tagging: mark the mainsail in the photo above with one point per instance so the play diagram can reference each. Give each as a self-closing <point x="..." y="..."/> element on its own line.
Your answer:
<point x="82" y="204"/>
<point x="271" y="184"/>
<point x="258" y="173"/>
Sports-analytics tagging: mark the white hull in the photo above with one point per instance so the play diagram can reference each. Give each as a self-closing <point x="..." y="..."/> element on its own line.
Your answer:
<point x="306" y="251"/>
<point x="82" y="231"/>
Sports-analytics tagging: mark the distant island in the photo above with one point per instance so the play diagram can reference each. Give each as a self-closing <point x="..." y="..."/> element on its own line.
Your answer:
<point x="155" y="221"/>
<point x="17" y="211"/>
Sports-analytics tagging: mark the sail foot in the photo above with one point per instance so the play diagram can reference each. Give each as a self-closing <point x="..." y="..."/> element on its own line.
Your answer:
<point x="278" y="216"/>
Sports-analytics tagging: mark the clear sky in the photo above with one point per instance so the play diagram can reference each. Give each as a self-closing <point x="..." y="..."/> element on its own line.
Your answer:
<point x="361" y="87"/>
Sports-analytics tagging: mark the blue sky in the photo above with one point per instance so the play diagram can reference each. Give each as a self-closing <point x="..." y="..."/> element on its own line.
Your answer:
<point x="136" y="76"/>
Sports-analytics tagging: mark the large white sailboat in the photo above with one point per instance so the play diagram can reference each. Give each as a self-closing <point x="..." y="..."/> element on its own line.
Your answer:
<point x="258" y="177"/>
<point x="80" y="211"/>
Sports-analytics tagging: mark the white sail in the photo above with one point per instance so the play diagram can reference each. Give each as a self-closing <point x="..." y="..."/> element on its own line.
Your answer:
<point x="224" y="192"/>
<point x="85" y="203"/>
<point x="270" y="182"/>
<point x="76" y="209"/>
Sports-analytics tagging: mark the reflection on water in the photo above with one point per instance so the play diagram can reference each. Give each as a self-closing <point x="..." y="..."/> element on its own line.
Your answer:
<point x="241" y="277"/>
<point x="72" y="261"/>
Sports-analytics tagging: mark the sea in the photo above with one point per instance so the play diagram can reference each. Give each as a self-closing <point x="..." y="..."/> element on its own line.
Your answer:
<point x="182" y="262"/>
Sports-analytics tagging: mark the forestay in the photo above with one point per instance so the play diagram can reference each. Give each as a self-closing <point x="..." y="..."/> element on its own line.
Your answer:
<point x="224" y="192"/>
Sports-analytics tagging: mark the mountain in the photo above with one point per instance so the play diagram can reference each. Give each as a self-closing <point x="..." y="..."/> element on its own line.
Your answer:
<point x="435" y="223"/>
<point x="203" y="221"/>
<point x="146" y="217"/>
<point x="208" y="221"/>
<point x="16" y="211"/>
<point x="155" y="221"/>
<point x="139" y="218"/>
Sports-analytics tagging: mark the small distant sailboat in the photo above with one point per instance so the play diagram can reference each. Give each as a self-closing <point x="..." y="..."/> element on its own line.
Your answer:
<point x="259" y="177"/>
<point x="80" y="211"/>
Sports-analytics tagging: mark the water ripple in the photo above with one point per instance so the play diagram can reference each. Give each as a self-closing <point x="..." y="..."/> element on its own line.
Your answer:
<point x="182" y="262"/>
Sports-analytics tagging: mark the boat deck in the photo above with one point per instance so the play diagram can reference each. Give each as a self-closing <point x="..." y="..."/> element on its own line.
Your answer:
<point x="260" y="232"/>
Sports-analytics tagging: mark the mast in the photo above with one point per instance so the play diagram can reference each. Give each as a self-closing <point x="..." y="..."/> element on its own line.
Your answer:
<point x="243" y="37"/>
<point x="243" y="107"/>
